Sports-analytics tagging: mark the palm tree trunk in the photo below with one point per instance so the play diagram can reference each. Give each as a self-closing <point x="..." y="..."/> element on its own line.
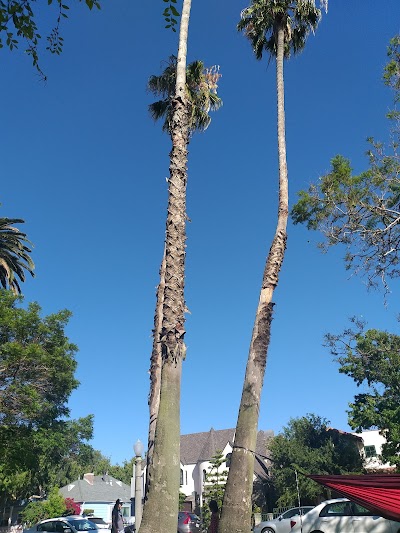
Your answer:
<point x="161" y="509"/>
<point x="155" y="374"/>
<point x="236" y="509"/>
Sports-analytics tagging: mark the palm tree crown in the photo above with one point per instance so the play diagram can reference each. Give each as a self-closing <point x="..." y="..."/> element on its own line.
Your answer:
<point x="201" y="90"/>
<point x="14" y="255"/>
<point x="262" y="20"/>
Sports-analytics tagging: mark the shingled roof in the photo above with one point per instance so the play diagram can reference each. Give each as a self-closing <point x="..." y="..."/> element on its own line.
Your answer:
<point x="198" y="447"/>
<point x="97" y="489"/>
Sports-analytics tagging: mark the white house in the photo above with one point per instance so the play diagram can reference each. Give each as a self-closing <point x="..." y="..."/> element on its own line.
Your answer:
<point x="197" y="449"/>
<point x="99" y="493"/>
<point x="372" y="449"/>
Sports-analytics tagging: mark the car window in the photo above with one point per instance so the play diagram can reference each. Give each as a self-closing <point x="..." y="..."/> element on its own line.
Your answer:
<point x="97" y="520"/>
<point x="359" y="510"/>
<point x="82" y="525"/>
<point x="337" y="509"/>
<point x="290" y="513"/>
<point x="47" y="526"/>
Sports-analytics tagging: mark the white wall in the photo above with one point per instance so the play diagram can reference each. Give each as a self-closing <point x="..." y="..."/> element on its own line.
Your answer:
<point x="373" y="438"/>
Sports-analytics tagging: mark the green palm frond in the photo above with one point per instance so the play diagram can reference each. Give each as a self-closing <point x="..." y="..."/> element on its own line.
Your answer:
<point x="261" y="21"/>
<point x="14" y="255"/>
<point x="201" y="87"/>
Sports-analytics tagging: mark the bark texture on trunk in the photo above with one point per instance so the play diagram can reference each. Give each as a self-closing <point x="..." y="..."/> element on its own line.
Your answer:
<point x="161" y="509"/>
<point x="155" y="374"/>
<point x="237" y="507"/>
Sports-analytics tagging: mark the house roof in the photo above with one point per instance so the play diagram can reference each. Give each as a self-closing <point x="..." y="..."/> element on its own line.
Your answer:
<point x="261" y="464"/>
<point x="198" y="447"/>
<point x="97" y="489"/>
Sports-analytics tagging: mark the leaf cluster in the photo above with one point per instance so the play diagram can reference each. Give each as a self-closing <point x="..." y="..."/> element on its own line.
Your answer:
<point x="361" y="212"/>
<point x="18" y="23"/>
<point x="37" y="363"/>
<point x="201" y="94"/>
<point x="309" y="445"/>
<point x="171" y="14"/>
<point x="263" y="19"/>
<point x="39" y="446"/>
<point x="15" y="257"/>
<point x="372" y="359"/>
<point x="54" y="505"/>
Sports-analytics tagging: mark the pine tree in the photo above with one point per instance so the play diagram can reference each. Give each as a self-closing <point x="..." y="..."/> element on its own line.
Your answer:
<point x="214" y="485"/>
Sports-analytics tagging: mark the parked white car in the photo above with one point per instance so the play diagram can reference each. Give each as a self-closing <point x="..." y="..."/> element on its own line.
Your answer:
<point x="342" y="516"/>
<point x="281" y="524"/>
<point x="63" y="524"/>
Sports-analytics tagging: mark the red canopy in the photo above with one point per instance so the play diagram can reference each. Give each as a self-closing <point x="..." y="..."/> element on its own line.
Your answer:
<point x="379" y="494"/>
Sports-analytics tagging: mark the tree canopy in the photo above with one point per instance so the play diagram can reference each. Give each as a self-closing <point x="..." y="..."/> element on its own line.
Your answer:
<point x="372" y="359"/>
<point x="37" y="364"/>
<point x="309" y="445"/>
<point x="18" y="24"/>
<point x="362" y="211"/>
<point x="39" y="445"/>
<point x="261" y="21"/>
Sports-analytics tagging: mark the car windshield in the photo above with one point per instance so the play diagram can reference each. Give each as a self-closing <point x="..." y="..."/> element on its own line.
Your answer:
<point x="295" y="511"/>
<point x="97" y="520"/>
<point x="82" y="524"/>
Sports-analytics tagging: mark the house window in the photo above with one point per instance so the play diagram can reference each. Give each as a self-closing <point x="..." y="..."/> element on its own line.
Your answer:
<point x="370" y="451"/>
<point x="228" y="460"/>
<point x="181" y="478"/>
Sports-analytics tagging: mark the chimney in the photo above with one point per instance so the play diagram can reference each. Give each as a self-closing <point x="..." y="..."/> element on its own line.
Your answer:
<point x="89" y="478"/>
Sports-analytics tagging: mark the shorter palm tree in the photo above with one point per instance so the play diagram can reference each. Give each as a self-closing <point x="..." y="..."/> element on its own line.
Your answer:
<point x="201" y="87"/>
<point x="14" y="255"/>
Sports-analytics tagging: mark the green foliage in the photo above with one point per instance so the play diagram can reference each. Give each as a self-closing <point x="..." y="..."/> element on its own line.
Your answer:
<point x="201" y="92"/>
<point x="171" y="14"/>
<point x="14" y="253"/>
<point x="50" y="508"/>
<point x="309" y="445"/>
<point x="391" y="73"/>
<point x="182" y="499"/>
<point x="87" y="512"/>
<point x="37" y="362"/>
<point x="123" y="472"/>
<point x="18" y="23"/>
<point x="372" y="359"/>
<point x="39" y="446"/>
<point x="33" y="513"/>
<point x="361" y="211"/>
<point x="261" y="21"/>
<point x="214" y="485"/>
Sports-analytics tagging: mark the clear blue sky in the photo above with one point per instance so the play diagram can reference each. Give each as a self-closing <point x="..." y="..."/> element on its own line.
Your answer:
<point x="85" y="166"/>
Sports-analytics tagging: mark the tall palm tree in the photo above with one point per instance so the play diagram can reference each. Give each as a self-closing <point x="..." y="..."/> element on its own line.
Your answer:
<point x="161" y="508"/>
<point x="14" y="255"/>
<point x="201" y="91"/>
<point x="279" y="28"/>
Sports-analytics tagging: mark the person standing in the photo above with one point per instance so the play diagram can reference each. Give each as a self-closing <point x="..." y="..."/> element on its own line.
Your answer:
<point x="213" y="527"/>
<point x="117" y="525"/>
